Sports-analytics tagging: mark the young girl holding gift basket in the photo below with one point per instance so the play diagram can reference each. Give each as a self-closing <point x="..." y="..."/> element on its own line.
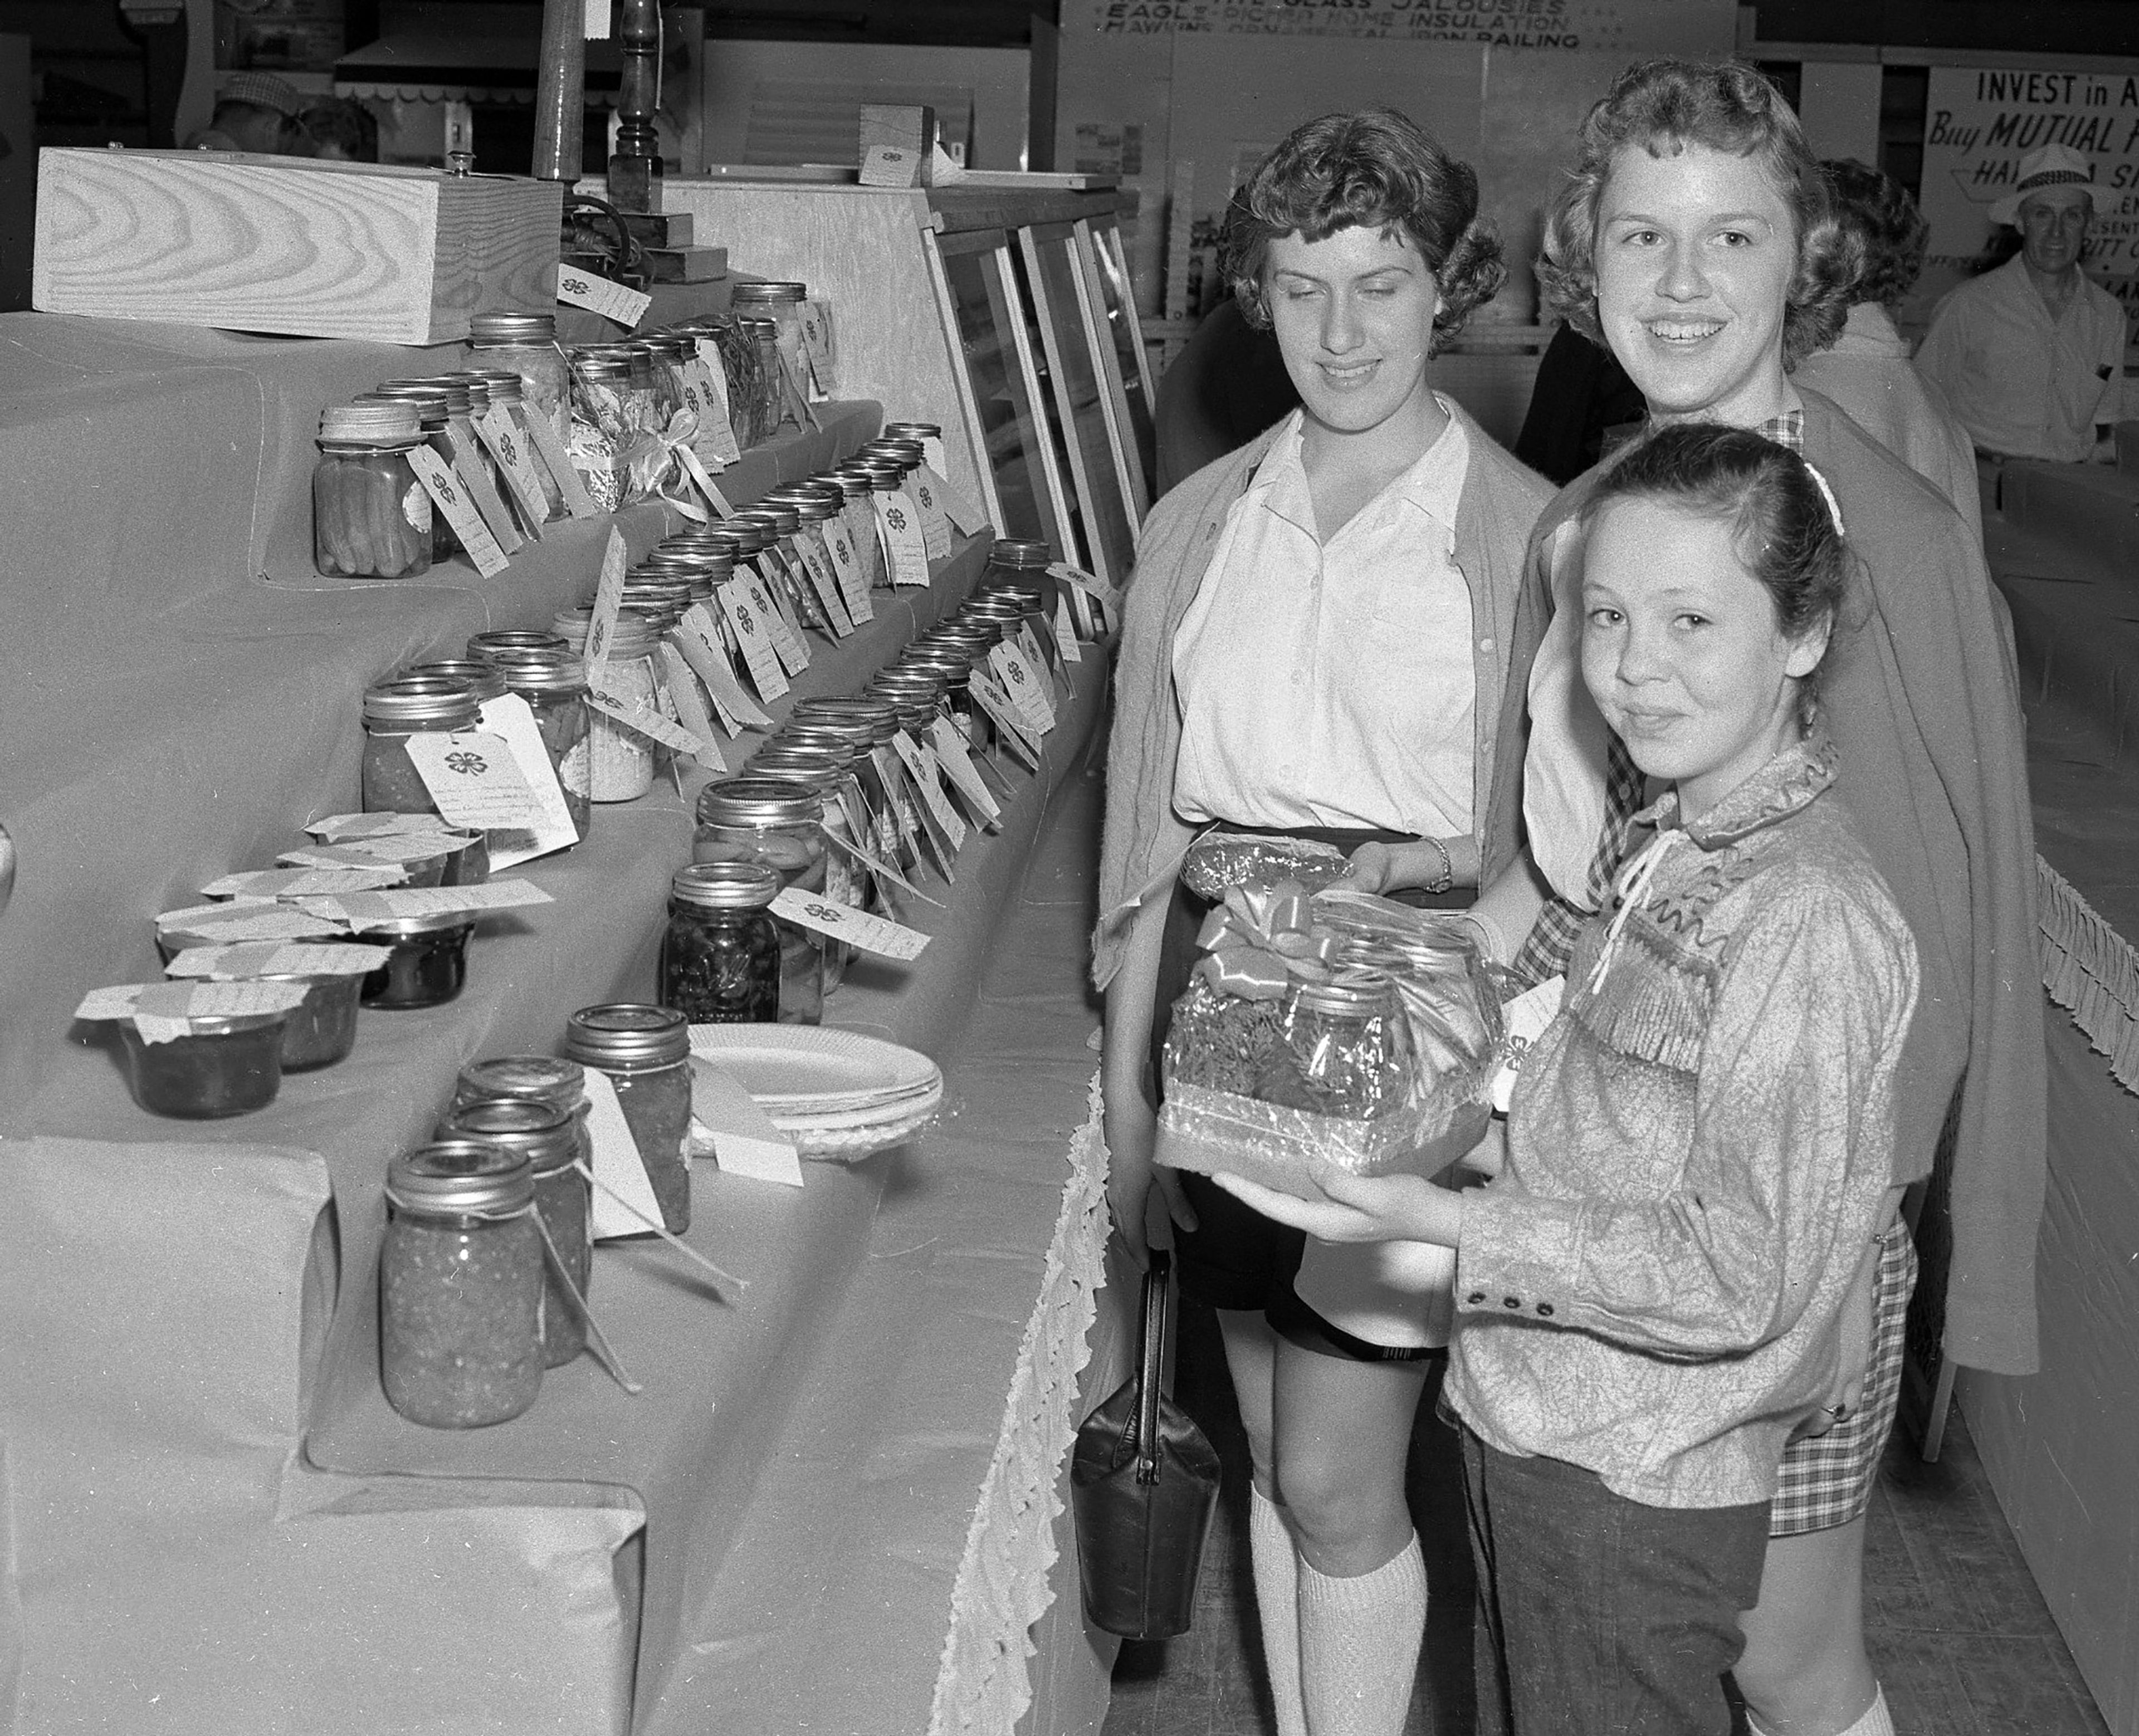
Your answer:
<point x="1649" y="1299"/>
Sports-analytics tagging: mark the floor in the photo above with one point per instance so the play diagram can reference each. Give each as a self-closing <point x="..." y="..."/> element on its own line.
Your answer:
<point x="1960" y="1634"/>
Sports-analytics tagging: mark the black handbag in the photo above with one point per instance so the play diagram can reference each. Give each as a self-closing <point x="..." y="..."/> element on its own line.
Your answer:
<point x="1143" y="1482"/>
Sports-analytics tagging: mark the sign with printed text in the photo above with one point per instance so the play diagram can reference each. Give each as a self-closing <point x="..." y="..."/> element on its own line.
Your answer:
<point x="842" y="922"/>
<point x="443" y="483"/>
<point x="905" y="549"/>
<point x="598" y="295"/>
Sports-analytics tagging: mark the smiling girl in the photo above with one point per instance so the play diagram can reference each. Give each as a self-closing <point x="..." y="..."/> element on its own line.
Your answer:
<point x="1649" y="1300"/>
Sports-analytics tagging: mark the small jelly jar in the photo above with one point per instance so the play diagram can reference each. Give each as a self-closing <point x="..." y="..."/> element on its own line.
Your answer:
<point x="779" y="826"/>
<point x="720" y="957"/>
<point x="646" y="1051"/>
<point x="371" y="518"/>
<point x="427" y="963"/>
<point x="323" y="1030"/>
<point x="549" y="1136"/>
<point x="1020" y="560"/>
<point x="393" y="711"/>
<point x="224" y="1065"/>
<point x="460" y="1285"/>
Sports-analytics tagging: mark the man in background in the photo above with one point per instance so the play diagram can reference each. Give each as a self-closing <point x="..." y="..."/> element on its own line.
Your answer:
<point x="254" y="111"/>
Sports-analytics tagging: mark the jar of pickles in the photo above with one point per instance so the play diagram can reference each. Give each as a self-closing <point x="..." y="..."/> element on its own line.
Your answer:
<point x="547" y="1132"/>
<point x="779" y="826"/>
<point x="394" y="710"/>
<point x="460" y="1285"/>
<point x="646" y="1053"/>
<point x="554" y="683"/>
<point x="371" y="518"/>
<point x="721" y="957"/>
<point x="433" y="403"/>
<point x="527" y="344"/>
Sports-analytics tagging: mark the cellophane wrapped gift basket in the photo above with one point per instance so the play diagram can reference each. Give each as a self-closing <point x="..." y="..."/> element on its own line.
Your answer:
<point x="1323" y="1023"/>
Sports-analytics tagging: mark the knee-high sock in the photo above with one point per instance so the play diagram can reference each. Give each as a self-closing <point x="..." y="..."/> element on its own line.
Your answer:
<point x="1276" y="1561"/>
<point x="1877" y="1720"/>
<point x="1359" y="1640"/>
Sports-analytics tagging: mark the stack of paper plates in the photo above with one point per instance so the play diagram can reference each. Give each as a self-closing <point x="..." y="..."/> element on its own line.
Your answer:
<point x="836" y="1094"/>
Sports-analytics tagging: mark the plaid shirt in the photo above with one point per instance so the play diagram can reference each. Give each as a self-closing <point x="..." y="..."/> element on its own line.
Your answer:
<point x="1551" y="942"/>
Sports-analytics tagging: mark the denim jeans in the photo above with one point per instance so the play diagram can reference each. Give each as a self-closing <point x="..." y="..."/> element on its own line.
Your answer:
<point x="1598" y="1615"/>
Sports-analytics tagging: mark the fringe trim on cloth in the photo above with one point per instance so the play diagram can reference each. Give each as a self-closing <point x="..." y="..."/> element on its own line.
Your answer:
<point x="983" y="1682"/>
<point x="2093" y="972"/>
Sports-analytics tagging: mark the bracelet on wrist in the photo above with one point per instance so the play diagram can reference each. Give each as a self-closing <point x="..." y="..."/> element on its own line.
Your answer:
<point x="1448" y="877"/>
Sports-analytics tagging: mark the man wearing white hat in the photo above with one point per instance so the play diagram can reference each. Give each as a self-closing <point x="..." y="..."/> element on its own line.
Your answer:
<point x="2031" y="354"/>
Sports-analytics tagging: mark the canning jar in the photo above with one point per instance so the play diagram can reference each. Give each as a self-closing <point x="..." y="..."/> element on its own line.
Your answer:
<point x="433" y="409"/>
<point x="781" y="303"/>
<point x="426" y="962"/>
<point x="394" y="710"/>
<point x="720" y="957"/>
<point x="646" y="1053"/>
<point x="371" y="518"/>
<point x="1021" y="561"/>
<point x="323" y="1030"/>
<point x="773" y="412"/>
<point x="778" y="826"/>
<point x="460" y="1285"/>
<point x="859" y="518"/>
<point x="825" y="774"/>
<point x="504" y="644"/>
<point x="480" y="673"/>
<point x="1346" y="1047"/>
<point x="548" y="1134"/>
<point x="621" y="766"/>
<point x="504" y="387"/>
<point x="554" y="683"/>
<point x="225" y="1065"/>
<point x="527" y="344"/>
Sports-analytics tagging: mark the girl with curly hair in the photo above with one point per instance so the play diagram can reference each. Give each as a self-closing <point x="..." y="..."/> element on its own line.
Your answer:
<point x="1315" y="644"/>
<point x="1696" y="239"/>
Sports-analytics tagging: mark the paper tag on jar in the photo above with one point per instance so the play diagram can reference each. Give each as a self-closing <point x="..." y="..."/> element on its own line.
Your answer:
<point x="821" y="348"/>
<point x="361" y="911"/>
<point x="1090" y="584"/>
<point x="954" y="754"/>
<point x="791" y="595"/>
<point x="339" y="827"/>
<point x="371" y="852"/>
<point x="853" y="583"/>
<point x="494" y="427"/>
<point x="294" y="883"/>
<point x="689" y="698"/>
<point x="920" y="762"/>
<point x="1526" y="1017"/>
<point x="698" y="638"/>
<point x="474" y="779"/>
<point x="443" y="483"/>
<point x="472" y="469"/>
<point x="511" y="717"/>
<point x="823" y="580"/>
<point x="1011" y="727"/>
<point x="612" y="301"/>
<point x="277" y="958"/>
<point x="744" y="1140"/>
<point x="542" y="434"/>
<point x="781" y="626"/>
<point x="183" y="1001"/>
<point x="905" y="551"/>
<point x="716" y="425"/>
<point x="957" y="506"/>
<point x="935" y="527"/>
<point x="868" y="933"/>
<point x="618" y="1166"/>
<point x="642" y="719"/>
<point x="882" y="869"/>
<point x="247" y="919"/>
<point x="701" y="479"/>
<point x="1065" y="632"/>
<point x="751" y="616"/>
<point x="607" y="604"/>
<point x="1026" y="686"/>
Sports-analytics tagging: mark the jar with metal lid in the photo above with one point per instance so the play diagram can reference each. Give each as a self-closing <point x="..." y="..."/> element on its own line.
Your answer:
<point x="720" y="955"/>
<point x="426" y="961"/>
<point x="371" y="518"/>
<point x="433" y="410"/>
<point x="393" y="711"/>
<point x="772" y="408"/>
<point x="860" y="519"/>
<point x="1022" y="560"/>
<point x="1344" y="1049"/>
<point x="952" y="666"/>
<point x="829" y="776"/>
<point x="782" y="304"/>
<point x="907" y="454"/>
<point x="622" y="761"/>
<point x="866" y="724"/>
<point x="603" y="394"/>
<point x="548" y="1133"/>
<point x="922" y="432"/>
<point x="460" y="1285"/>
<point x="504" y="387"/>
<point x="780" y="826"/>
<point x="646" y="1053"/>
<point x="506" y="643"/>
<point x="554" y="683"/>
<point x="485" y="677"/>
<point x="225" y="1065"/>
<point x="527" y="344"/>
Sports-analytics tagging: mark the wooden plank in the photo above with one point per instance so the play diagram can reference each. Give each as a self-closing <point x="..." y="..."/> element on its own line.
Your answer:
<point x="289" y="245"/>
<point x="687" y="265"/>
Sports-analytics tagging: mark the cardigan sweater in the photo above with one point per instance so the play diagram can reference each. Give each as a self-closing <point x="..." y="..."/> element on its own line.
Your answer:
<point x="1145" y="839"/>
<point x="1698" y="1151"/>
<point x="1919" y="695"/>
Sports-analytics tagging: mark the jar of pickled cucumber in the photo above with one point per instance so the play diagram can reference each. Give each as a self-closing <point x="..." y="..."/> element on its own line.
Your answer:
<point x="780" y="826"/>
<point x="371" y="518"/>
<point x="645" y="1051"/>
<point x="460" y="1285"/>
<point x="547" y="1132"/>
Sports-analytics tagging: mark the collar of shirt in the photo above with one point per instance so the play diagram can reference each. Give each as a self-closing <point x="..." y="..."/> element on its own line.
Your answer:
<point x="1786" y="430"/>
<point x="1433" y="484"/>
<point x="1777" y="789"/>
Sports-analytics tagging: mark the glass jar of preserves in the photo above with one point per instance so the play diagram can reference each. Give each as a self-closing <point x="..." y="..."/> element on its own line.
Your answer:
<point x="781" y="303"/>
<point x="548" y="1134"/>
<point x="504" y="387"/>
<point x="720" y="957"/>
<point x="323" y="1030"/>
<point x="527" y="344"/>
<point x="460" y="1285"/>
<point x="504" y="644"/>
<point x="646" y="1053"/>
<point x="371" y="518"/>
<point x="393" y="711"/>
<point x="1020" y="560"/>
<point x="554" y="683"/>
<point x="621" y="760"/>
<point x="825" y="774"/>
<point x="226" y="1064"/>
<point x="859" y="517"/>
<point x="1343" y="1048"/>
<point x="432" y="400"/>
<point x="772" y="409"/>
<point x="480" y="673"/>
<point x="426" y="962"/>
<point x="779" y="826"/>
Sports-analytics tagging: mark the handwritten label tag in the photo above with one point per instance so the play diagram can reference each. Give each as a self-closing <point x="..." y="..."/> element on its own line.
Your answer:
<point x="744" y="1139"/>
<point x="1092" y="591"/>
<point x="474" y="779"/>
<point x="905" y="549"/>
<point x="368" y="910"/>
<point x="882" y="870"/>
<point x="900" y="818"/>
<point x="698" y="638"/>
<point x="246" y="920"/>
<point x="1527" y="1016"/>
<point x="820" y="351"/>
<point x="443" y="483"/>
<point x="954" y="753"/>
<point x="751" y="616"/>
<point x="550" y="448"/>
<point x="511" y="717"/>
<point x="689" y="698"/>
<point x="643" y="719"/>
<point x="935" y="527"/>
<point x="277" y="958"/>
<point x="716" y="422"/>
<point x="823" y="580"/>
<point x="1026" y="686"/>
<point x="617" y="1165"/>
<point x="1011" y="730"/>
<point x="515" y="463"/>
<point x="337" y="826"/>
<point x="598" y="295"/>
<point x="472" y="468"/>
<point x="163" y="1011"/>
<point x="853" y="582"/>
<point x="1065" y="631"/>
<point x="297" y="882"/>
<point x="920" y="763"/>
<point x="957" y="505"/>
<point x="371" y="852"/>
<point x="781" y="626"/>
<point x="842" y="922"/>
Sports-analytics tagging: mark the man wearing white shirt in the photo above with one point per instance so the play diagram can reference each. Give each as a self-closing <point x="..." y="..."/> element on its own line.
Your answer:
<point x="2031" y="355"/>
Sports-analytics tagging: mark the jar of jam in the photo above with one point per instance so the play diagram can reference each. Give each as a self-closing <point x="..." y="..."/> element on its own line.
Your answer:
<point x="781" y="827"/>
<point x="371" y="518"/>
<point x="323" y="1030"/>
<point x="394" y="710"/>
<point x="621" y="760"/>
<point x="228" y="1064"/>
<point x="646" y="1053"/>
<point x="460" y="1285"/>
<point x="547" y="1133"/>
<point x="720" y="957"/>
<point x="527" y="344"/>
<point x="554" y="683"/>
<point x="426" y="964"/>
